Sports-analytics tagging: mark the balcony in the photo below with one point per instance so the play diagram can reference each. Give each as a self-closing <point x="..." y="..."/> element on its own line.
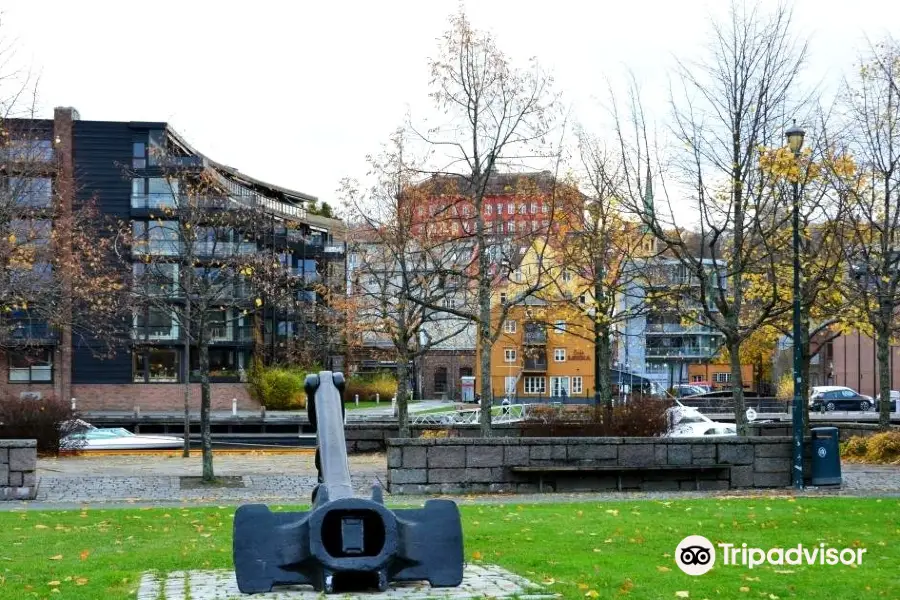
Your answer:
<point x="229" y="334"/>
<point x="534" y="335"/>
<point x="178" y="162"/>
<point x="535" y="363"/>
<point x="682" y="352"/>
<point x="156" y="333"/>
<point x="334" y="249"/>
<point x="28" y="332"/>
<point x="678" y="328"/>
<point x="153" y="201"/>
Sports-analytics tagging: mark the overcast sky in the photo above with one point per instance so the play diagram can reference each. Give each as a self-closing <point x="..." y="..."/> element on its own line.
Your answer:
<point x="298" y="92"/>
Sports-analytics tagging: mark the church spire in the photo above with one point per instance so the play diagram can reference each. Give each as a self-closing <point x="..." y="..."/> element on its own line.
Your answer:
<point x="648" y="196"/>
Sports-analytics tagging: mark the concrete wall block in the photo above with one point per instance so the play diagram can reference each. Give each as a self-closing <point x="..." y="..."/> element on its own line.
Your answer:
<point x="414" y="457"/>
<point x="369" y="446"/>
<point x="501" y="475"/>
<point x="478" y="488"/>
<point x="715" y="484"/>
<point x="636" y="455"/>
<point x="773" y="465"/>
<point x="736" y="454"/>
<point x="446" y="475"/>
<point x="484" y="456"/>
<point x="4" y="456"/>
<point x="593" y="451"/>
<point x="679" y="454"/>
<point x="453" y="488"/>
<point x="515" y="456"/>
<point x="446" y="457"/>
<point x="502" y="488"/>
<point x="547" y="452"/>
<point x="415" y="489"/>
<point x="401" y="476"/>
<point x="394" y="457"/>
<point x="15" y="479"/>
<point x="771" y="479"/>
<point x="22" y="459"/>
<point x="703" y="451"/>
<point x="29" y="479"/>
<point x="660" y="454"/>
<point x="4" y="474"/>
<point x="527" y="488"/>
<point x="703" y="461"/>
<point x="479" y="475"/>
<point x="774" y="450"/>
<point x="742" y="476"/>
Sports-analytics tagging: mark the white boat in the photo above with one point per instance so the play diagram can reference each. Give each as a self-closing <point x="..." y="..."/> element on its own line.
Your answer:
<point x="85" y="436"/>
<point x="685" y="421"/>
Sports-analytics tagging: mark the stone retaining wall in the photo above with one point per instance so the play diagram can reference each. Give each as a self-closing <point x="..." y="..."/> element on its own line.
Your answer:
<point x="18" y="461"/>
<point x="483" y="465"/>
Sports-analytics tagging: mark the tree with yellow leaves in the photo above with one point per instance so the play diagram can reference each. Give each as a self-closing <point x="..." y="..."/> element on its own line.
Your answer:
<point x="870" y="183"/>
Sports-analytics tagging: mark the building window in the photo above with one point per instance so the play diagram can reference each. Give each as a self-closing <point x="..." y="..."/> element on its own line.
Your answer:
<point x="156" y="365"/>
<point x="721" y="377"/>
<point x="30" y="192"/>
<point x="509" y="326"/>
<point x="517" y="274"/>
<point x="155" y="324"/>
<point x="559" y="355"/>
<point x="559" y="386"/>
<point x="535" y="385"/>
<point x="448" y="303"/>
<point x="544" y="208"/>
<point x="454" y="228"/>
<point x="139" y="155"/>
<point x="559" y="327"/>
<point x="511" y="227"/>
<point x="466" y="211"/>
<point x="28" y="150"/>
<point x="509" y="385"/>
<point x="566" y="276"/>
<point x="696" y="378"/>
<point x="582" y="298"/>
<point x="488" y="209"/>
<point x="509" y="355"/>
<point x="533" y="208"/>
<point x="156" y="279"/>
<point x="34" y="366"/>
<point x="577" y="385"/>
<point x="502" y="297"/>
<point x="159" y="238"/>
<point x="440" y="380"/>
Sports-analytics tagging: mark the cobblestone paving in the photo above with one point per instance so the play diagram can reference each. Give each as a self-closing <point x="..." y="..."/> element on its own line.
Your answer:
<point x="486" y="581"/>
<point x="290" y="479"/>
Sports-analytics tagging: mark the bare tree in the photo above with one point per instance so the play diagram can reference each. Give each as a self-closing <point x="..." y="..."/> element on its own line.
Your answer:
<point x="404" y="269"/>
<point x="871" y="184"/>
<point x="725" y="110"/>
<point x="498" y="118"/>
<point x="206" y="261"/>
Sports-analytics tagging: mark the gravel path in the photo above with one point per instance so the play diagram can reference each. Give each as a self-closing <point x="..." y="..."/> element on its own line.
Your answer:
<point x="290" y="479"/>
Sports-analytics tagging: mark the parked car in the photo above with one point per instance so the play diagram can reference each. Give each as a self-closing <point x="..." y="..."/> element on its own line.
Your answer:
<point x="683" y="390"/>
<point x="895" y="402"/>
<point x="833" y="397"/>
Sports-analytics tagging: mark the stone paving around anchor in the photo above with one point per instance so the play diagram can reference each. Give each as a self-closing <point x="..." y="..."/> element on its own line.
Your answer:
<point x="487" y="581"/>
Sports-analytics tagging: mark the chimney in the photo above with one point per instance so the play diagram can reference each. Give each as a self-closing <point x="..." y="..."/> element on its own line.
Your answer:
<point x="68" y="112"/>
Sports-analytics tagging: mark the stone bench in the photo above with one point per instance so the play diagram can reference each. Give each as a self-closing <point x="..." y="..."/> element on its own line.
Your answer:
<point x="543" y="470"/>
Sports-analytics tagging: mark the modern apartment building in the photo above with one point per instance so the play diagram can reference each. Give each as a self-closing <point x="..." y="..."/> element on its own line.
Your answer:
<point x="659" y="342"/>
<point x="127" y="169"/>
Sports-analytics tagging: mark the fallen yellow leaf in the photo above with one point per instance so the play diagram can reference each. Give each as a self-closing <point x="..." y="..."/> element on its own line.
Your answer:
<point x="743" y="588"/>
<point x="663" y="569"/>
<point x="84" y="554"/>
<point x="57" y="557"/>
<point x="591" y="594"/>
<point x="51" y="583"/>
<point x="583" y="586"/>
<point x="682" y="594"/>
<point x="476" y="555"/>
<point x="39" y="526"/>
<point x="80" y="581"/>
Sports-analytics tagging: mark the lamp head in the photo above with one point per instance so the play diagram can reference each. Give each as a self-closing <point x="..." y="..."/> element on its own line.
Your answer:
<point x="795" y="138"/>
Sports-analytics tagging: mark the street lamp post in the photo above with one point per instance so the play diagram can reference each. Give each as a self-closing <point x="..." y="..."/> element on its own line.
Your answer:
<point x="795" y="142"/>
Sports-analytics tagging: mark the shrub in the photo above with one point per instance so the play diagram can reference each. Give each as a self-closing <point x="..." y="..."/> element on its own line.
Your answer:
<point x="883" y="447"/>
<point x="277" y="388"/>
<point x="855" y="447"/>
<point x="641" y="416"/>
<point x="367" y="386"/>
<point x="785" y="390"/>
<point x="47" y="420"/>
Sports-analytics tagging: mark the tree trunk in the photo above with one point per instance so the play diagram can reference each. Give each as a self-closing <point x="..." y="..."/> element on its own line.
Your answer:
<point x="186" y="451"/>
<point x="883" y="352"/>
<point x="602" y="353"/>
<point x="484" y="349"/>
<point x="402" y="395"/>
<point x="737" y="390"/>
<point x="205" y="439"/>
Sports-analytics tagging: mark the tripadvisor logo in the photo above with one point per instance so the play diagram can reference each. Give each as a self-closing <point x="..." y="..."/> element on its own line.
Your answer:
<point x="696" y="555"/>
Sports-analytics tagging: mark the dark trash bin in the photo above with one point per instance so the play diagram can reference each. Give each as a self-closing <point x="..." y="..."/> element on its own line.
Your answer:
<point x="826" y="456"/>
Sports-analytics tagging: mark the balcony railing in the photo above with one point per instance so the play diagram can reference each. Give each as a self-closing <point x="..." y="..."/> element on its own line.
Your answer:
<point x="334" y="248"/>
<point x="155" y="333"/>
<point x="678" y="328"/>
<point x="536" y="364"/>
<point x="183" y="162"/>
<point x="234" y="333"/>
<point x="154" y="201"/>
<point x="683" y="351"/>
<point x="24" y="331"/>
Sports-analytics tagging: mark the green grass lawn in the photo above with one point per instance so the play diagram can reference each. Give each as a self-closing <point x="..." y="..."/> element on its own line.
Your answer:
<point x="605" y="550"/>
